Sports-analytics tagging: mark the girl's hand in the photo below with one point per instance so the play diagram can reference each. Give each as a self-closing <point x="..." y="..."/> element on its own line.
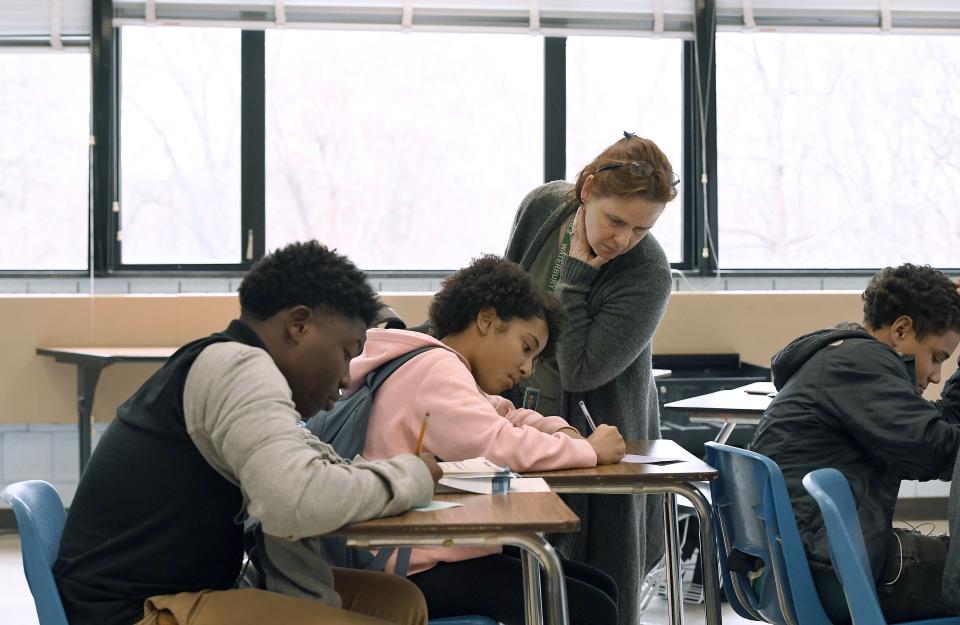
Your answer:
<point x="956" y="281"/>
<point x="579" y="247"/>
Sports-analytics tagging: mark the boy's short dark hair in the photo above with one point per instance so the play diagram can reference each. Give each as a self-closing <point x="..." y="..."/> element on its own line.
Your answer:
<point x="501" y="284"/>
<point x="924" y="294"/>
<point x="307" y="274"/>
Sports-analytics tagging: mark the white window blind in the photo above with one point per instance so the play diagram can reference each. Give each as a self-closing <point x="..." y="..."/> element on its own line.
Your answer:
<point x="668" y="18"/>
<point x="923" y="16"/>
<point x="54" y="23"/>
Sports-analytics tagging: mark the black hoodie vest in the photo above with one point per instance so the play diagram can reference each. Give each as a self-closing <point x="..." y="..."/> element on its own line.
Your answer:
<point x="150" y="516"/>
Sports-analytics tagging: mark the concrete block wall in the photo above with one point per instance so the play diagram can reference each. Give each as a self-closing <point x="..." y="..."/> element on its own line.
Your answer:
<point x="48" y="452"/>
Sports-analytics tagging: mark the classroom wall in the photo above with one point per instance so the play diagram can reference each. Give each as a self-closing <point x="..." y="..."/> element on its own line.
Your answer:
<point x="38" y="437"/>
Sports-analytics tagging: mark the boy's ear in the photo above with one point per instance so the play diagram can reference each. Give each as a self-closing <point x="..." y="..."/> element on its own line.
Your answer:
<point x="901" y="330"/>
<point x="487" y="320"/>
<point x="297" y="323"/>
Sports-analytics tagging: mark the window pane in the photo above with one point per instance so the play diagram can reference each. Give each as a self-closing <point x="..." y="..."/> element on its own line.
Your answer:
<point x="405" y="151"/>
<point x="44" y="156"/>
<point x="180" y="146"/>
<point x="838" y="151"/>
<point x="603" y="101"/>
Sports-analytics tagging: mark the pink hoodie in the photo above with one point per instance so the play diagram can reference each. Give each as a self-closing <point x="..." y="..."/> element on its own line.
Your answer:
<point x="464" y="422"/>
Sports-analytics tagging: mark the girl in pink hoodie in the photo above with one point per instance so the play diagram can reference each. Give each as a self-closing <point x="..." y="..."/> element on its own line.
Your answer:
<point x="489" y="324"/>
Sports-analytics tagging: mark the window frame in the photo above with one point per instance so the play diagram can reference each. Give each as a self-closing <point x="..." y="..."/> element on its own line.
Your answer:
<point x="700" y="207"/>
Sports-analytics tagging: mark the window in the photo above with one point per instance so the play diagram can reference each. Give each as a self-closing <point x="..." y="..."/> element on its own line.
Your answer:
<point x="404" y="151"/>
<point x="636" y="84"/>
<point x="45" y="125"/>
<point x="838" y="151"/>
<point x="180" y="147"/>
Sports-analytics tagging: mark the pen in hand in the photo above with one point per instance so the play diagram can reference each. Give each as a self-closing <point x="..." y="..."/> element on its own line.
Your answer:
<point x="423" y="430"/>
<point x="586" y="413"/>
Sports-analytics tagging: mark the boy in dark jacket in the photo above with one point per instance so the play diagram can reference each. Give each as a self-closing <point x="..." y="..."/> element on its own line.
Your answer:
<point x="850" y="397"/>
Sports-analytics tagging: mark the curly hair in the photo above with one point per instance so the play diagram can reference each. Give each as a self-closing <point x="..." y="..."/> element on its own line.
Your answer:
<point x="924" y="294"/>
<point x="501" y="284"/>
<point x="307" y="274"/>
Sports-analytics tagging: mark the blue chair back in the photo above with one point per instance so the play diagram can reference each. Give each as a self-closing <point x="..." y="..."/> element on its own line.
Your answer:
<point x="40" y="518"/>
<point x="462" y="620"/>
<point x="753" y="515"/>
<point x="848" y="552"/>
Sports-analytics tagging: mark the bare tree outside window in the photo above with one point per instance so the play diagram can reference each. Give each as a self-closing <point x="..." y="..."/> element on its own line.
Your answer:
<point x="405" y="151"/>
<point x="838" y="151"/>
<point x="180" y="147"/>
<point x="627" y="83"/>
<point x="45" y="125"/>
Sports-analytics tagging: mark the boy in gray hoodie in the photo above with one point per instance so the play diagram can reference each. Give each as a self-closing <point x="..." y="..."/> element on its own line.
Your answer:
<point x="850" y="397"/>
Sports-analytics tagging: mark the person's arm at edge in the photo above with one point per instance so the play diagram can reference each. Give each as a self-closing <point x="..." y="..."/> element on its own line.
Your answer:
<point x="897" y="426"/>
<point x="239" y="413"/>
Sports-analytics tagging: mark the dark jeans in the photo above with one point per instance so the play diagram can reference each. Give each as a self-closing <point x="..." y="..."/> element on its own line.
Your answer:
<point x="493" y="586"/>
<point x="910" y="584"/>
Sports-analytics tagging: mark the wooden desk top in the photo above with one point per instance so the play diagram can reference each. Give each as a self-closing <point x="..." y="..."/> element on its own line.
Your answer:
<point x="516" y="513"/>
<point x="631" y="474"/>
<point x="106" y="355"/>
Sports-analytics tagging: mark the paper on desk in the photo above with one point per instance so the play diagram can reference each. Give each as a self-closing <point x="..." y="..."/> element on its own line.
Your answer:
<point x="483" y="486"/>
<point x="638" y="459"/>
<point x="433" y="506"/>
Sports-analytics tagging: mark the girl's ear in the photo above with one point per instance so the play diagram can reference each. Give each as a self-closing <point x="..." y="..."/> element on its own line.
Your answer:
<point x="487" y="320"/>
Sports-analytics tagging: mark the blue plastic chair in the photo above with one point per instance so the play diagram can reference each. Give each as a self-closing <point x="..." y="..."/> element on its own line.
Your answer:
<point x="40" y="518"/>
<point x="753" y="515"/>
<point x="847" y="550"/>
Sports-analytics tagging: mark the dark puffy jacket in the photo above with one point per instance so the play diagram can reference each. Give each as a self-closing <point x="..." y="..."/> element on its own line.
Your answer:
<point x="848" y="401"/>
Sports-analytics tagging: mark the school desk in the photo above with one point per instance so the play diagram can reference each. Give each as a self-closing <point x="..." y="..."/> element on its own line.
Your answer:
<point x="728" y="407"/>
<point x="671" y="479"/>
<point x="90" y="361"/>
<point x="516" y="519"/>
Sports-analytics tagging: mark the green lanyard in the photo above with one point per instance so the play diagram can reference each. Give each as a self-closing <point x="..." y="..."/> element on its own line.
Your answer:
<point x="561" y="256"/>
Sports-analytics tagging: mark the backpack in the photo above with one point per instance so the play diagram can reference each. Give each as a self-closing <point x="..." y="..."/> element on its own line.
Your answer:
<point x="345" y="429"/>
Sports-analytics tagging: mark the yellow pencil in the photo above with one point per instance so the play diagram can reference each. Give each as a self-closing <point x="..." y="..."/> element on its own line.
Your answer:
<point x="423" y="430"/>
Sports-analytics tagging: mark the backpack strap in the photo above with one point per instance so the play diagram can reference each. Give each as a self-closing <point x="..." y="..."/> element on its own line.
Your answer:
<point x="379" y="375"/>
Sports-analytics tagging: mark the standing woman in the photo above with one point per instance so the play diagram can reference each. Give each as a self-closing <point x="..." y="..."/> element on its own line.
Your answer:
<point x="590" y="244"/>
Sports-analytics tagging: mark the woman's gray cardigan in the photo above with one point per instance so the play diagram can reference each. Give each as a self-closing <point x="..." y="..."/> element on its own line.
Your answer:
<point x="604" y="358"/>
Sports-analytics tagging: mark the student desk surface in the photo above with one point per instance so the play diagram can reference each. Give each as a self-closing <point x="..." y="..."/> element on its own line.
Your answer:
<point x="728" y="407"/>
<point x="486" y="520"/>
<point x="90" y="361"/>
<point x="670" y="480"/>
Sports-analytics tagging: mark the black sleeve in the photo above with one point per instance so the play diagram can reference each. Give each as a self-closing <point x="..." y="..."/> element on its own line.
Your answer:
<point x="950" y="399"/>
<point x="879" y="406"/>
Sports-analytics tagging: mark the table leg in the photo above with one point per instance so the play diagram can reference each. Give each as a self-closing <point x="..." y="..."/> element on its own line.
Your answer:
<point x="532" y="597"/>
<point x="556" y="585"/>
<point x="672" y="557"/>
<point x="708" y="552"/>
<point x="87" y="376"/>
<point x="725" y="431"/>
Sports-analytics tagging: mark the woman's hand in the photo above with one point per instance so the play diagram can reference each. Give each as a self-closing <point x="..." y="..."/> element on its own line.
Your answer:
<point x="579" y="246"/>
<point x="956" y="281"/>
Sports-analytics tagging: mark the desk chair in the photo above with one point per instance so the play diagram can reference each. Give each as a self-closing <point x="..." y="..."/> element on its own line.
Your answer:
<point x="40" y="518"/>
<point x="847" y="550"/>
<point x="757" y="537"/>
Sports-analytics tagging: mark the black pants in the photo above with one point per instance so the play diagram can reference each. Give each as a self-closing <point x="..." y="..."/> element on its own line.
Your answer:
<point x="493" y="586"/>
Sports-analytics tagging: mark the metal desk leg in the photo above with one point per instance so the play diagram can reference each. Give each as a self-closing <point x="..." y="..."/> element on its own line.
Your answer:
<point x="87" y="376"/>
<point x="532" y="597"/>
<point x="725" y="431"/>
<point x="672" y="557"/>
<point x="708" y="553"/>
<point x="556" y="585"/>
